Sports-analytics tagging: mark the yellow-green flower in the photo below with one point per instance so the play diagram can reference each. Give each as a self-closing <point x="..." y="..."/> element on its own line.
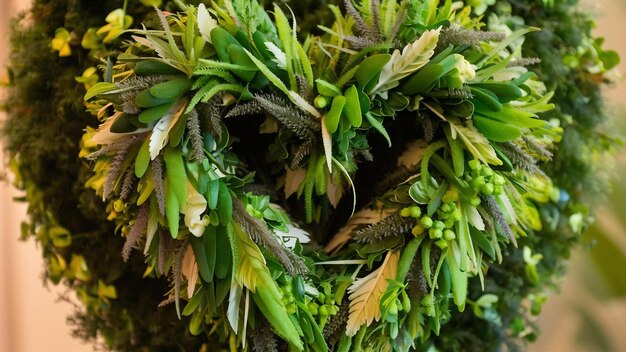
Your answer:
<point x="152" y="3"/>
<point x="118" y="21"/>
<point x="61" y="42"/>
<point x="89" y="77"/>
<point x="91" y="40"/>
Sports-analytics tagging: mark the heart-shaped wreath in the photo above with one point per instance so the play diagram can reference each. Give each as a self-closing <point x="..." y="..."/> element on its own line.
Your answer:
<point x="381" y="181"/>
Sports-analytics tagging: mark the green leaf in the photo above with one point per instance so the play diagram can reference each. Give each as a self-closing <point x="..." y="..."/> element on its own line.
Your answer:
<point x="99" y="88"/>
<point x="370" y="68"/>
<point x="171" y="89"/>
<point x="496" y="131"/>
<point x="172" y="210"/>
<point x="326" y="89"/>
<point x="223" y="247"/>
<point x="204" y="250"/>
<point x="143" y="159"/>
<point x="176" y="174"/>
<point x="352" y="109"/>
<point x="378" y="126"/>
<point x="458" y="278"/>
<point x="155" y="113"/>
<point x="253" y="274"/>
<point x="334" y="114"/>
<point x="224" y="204"/>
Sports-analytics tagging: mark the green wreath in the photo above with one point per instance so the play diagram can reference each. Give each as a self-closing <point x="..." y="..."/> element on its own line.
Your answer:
<point x="364" y="176"/>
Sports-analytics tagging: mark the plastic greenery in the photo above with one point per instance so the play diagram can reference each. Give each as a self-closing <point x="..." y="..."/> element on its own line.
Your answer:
<point x="401" y="176"/>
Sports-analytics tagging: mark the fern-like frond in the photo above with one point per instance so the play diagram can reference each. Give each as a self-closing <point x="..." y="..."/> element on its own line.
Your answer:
<point x="136" y="231"/>
<point x="460" y="36"/>
<point x="365" y="216"/>
<point x="498" y="219"/>
<point x="115" y="168"/>
<point x="159" y="186"/>
<point x="365" y="294"/>
<point x="195" y="136"/>
<point x="165" y="249"/>
<point x="248" y="108"/>
<point x="128" y="182"/>
<point x="413" y="57"/>
<point x="360" y="25"/>
<point x="525" y="61"/>
<point x="294" y="119"/>
<point x="392" y="226"/>
<point x="262" y="338"/>
<point x="521" y="159"/>
<point x="261" y="235"/>
<point x="302" y="152"/>
<point x="538" y="147"/>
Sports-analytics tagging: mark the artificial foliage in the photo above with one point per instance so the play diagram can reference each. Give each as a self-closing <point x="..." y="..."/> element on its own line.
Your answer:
<point x="308" y="175"/>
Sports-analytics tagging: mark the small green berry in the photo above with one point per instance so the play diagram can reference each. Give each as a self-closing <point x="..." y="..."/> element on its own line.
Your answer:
<point x="449" y="235"/>
<point x="435" y="233"/>
<point x="498" y="180"/>
<point x="426" y="221"/>
<point x="486" y="171"/>
<point x="474" y="164"/>
<point x="438" y="224"/>
<point x="477" y="182"/>
<point x="405" y="213"/>
<point x="417" y="230"/>
<point x="320" y="102"/>
<point x="416" y="212"/>
<point x="475" y="201"/>
<point x="323" y="311"/>
<point x="487" y="189"/>
<point x="442" y="244"/>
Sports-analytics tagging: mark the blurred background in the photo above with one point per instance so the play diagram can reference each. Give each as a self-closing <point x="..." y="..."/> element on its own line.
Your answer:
<point x="589" y="314"/>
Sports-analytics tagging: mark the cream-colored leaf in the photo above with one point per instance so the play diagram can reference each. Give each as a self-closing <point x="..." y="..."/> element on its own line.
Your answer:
<point x="206" y="23"/>
<point x="365" y="294"/>
<point x="153" y="226"/>
<point x="293" y="180"/>
<point x="234" y="300"/>
<point x="104" y="135"/>
<point x="334" y="192"/>
<point x="190" y="271"/>
<point x="162" y="129"/>
<point x="328" y="145"/>
<point x="365" y="216"/>
<point x="474" y="218"/>
<point x="303" y="104"/>
<point x="280" y="56"/>
<point x="194" y="209"/>
<point x="413" y="57"/>
<point x="413" y="154"/>
<point x="293" y="235"/>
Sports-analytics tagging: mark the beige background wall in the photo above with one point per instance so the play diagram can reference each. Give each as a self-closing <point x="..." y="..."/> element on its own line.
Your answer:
<point x="31" y="320"/>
